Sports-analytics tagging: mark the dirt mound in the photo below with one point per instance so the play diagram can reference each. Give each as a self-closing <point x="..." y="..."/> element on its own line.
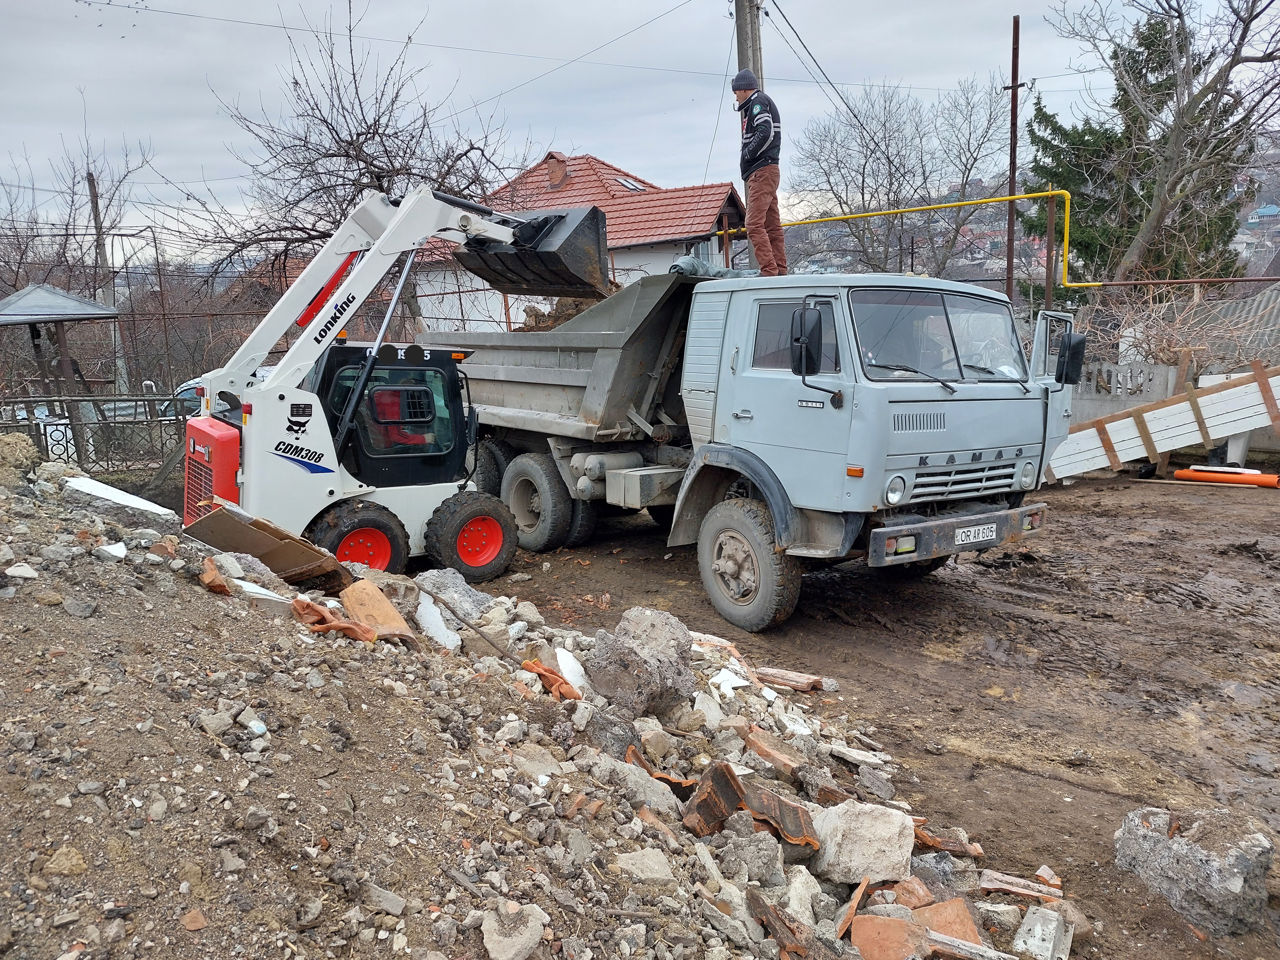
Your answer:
<point x="565" y="308"/>
<point x="17" y="455"/>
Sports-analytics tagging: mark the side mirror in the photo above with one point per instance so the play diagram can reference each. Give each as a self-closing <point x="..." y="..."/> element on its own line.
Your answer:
<point x="806" y="341"/>
<point x="473" y="426"/>
<point x="1070" y="358"/>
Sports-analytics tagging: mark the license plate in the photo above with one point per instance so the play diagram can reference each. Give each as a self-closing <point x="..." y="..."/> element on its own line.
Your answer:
<point x="979" y="534"/>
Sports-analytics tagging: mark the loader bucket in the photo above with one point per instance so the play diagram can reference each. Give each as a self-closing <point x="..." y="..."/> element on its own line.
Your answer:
<point x="556" y="253"/>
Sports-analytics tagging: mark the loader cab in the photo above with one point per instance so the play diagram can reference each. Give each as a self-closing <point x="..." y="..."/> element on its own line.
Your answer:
<point x="410" y="424"/>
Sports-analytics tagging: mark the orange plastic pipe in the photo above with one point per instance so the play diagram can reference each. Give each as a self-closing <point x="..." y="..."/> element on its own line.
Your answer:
<point x="1249" y="479"/>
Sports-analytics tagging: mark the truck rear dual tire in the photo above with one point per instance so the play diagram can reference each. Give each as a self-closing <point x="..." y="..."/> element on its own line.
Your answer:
<point x="492" y="459"/>
<point x="536" y="495"/>
<point x="474" y="533"/>
<point x="749" y="582"/>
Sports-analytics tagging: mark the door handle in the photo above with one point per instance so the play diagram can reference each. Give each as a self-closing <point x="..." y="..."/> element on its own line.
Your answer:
<point x="742" y="415"/>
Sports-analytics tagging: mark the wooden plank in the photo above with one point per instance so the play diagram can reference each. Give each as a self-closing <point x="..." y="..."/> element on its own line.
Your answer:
<point x="1147" y="408"/>
<point x="1194" y="402"/>
<point x="364" y="602"/>
<point x="1268" y="395"/>
<point x="1108" y="447"/>
<point x="1140" y="422"/>
<point x="1179" y="384"/>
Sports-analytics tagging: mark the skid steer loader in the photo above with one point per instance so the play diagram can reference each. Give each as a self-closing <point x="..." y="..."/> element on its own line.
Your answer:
<point x="364" y="448"/>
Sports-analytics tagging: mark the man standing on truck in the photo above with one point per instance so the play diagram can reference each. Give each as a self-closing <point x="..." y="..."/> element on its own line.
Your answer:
<point x="761" y="147"/>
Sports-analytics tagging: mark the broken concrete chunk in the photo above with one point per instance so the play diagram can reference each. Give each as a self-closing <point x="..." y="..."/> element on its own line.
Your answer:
<point x="643" y="667"/>
<point x="1043" y="935"/>
<point x="648" y="865"/>
<point x="513" y="932"/>
<point x="859" y="840"/>
<point x="802" y="888"/>
<point x="1211" y="865"/>
<point x="385" y="901"/>
<point x="1004" y="917"/>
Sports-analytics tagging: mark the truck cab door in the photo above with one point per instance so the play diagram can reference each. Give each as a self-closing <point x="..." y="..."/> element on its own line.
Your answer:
<point x="764" y="408"/>
<point x="1050" y="326"/>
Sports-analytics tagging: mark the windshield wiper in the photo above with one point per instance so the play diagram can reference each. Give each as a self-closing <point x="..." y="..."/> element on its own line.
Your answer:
<point x="992" y="373"/>
<point x="906" y="369"/>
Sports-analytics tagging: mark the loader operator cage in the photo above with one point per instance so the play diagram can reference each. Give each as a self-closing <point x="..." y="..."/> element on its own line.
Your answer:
<point x="912" y="335"/>
<point x="409" y="423"/>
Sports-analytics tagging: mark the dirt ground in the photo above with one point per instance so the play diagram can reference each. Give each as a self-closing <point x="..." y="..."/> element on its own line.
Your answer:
<point x="1128" y="658"/>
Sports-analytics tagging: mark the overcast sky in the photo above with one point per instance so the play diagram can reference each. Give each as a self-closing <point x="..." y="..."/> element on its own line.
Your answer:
<point x="648" y="101"/>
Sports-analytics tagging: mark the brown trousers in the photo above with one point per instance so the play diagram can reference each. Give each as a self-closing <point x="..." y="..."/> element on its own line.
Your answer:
<point x="764" y="225"/>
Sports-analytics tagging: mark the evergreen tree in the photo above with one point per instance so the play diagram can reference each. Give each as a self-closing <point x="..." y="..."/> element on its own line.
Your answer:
<point x="1155" y="182"/>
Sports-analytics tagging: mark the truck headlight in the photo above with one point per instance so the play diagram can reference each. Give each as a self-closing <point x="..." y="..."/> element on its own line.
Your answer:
<point x="1028" y="478"/>
<point x="895" y="490"/>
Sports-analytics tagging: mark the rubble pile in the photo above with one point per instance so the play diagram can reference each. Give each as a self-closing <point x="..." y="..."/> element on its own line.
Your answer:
<point x="188" y="773"/>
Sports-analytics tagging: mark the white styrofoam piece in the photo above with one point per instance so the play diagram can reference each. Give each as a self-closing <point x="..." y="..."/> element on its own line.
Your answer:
<point x="104" y="491"/>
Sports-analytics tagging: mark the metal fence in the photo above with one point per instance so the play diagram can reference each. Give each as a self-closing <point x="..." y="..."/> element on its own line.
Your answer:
<point x="99" y="435"/>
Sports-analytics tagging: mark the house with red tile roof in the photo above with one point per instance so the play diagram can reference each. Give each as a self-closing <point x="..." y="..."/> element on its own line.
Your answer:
<point x="648" y="228"/>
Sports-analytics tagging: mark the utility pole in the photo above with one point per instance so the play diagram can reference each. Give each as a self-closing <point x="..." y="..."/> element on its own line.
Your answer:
<point x="1013" y="161"/>
<point x="107" y="290"/>
<point x="746" y="18"/>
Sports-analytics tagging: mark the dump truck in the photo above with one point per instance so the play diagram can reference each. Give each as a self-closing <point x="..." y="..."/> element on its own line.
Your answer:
<point x="366" y="448"/>
<point x="777" y="422"/>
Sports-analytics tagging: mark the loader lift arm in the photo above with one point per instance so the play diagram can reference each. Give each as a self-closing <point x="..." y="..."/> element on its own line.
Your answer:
<point x="556" y="253"/>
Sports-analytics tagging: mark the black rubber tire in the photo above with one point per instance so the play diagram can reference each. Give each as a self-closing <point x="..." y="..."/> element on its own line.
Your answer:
<point x="450" y="519"/>
<point x="583" y="525"/>
<point x="486" y="476"/>
<point x="746" y="527"/>
<point x="331" y="527"/>
<point x="503" y="453"/>
<point x="911" y="571"/>
<point x="663" y="515"/>
<point x="536" y="495"/>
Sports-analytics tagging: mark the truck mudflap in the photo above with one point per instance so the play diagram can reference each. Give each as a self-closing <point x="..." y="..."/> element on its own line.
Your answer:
<point x="943" y="536"/>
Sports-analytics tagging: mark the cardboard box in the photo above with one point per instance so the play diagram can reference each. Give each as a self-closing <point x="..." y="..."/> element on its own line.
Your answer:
<point x="293" y="559"/>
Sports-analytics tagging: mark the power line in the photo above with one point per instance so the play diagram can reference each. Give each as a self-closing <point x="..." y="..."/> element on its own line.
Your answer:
<point x="719" y="107"/>
<point x="504" y="53"/>
<point x="546" y="73"/>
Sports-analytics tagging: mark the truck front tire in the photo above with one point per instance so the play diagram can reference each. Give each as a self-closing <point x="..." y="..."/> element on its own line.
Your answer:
<point x="535" y="494"/>
<point x="750" y="583"/>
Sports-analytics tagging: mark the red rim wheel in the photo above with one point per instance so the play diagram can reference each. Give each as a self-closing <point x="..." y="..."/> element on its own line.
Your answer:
<point x="366" y="545"/>
<point x="480" y="541"/>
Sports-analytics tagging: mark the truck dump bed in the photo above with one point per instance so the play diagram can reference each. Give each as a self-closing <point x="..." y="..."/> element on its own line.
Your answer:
<point x="601" y="376"/>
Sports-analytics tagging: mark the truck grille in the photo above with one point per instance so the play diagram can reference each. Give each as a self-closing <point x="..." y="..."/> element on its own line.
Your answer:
<point x="919" y="422"/>
<point x="199" y="492"/>
<point x="962" y="483"/>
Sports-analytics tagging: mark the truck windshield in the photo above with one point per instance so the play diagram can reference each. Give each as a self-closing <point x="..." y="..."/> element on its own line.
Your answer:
<point x="922" y="335"/>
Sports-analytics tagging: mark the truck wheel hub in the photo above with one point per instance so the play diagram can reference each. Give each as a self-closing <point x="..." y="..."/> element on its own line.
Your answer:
<point x="735" y="568"/>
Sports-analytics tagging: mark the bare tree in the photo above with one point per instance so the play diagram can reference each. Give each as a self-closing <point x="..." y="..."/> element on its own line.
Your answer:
<point x="349" y="123"/>
<point x="890" y="151"/>
<point x="1204" y="90"/>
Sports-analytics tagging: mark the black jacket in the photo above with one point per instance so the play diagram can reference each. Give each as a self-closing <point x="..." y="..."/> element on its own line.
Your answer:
<point x="761" y="133"/>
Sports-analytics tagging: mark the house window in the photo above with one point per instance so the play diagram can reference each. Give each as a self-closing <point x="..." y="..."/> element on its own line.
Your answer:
<point x="630" y="184"/>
